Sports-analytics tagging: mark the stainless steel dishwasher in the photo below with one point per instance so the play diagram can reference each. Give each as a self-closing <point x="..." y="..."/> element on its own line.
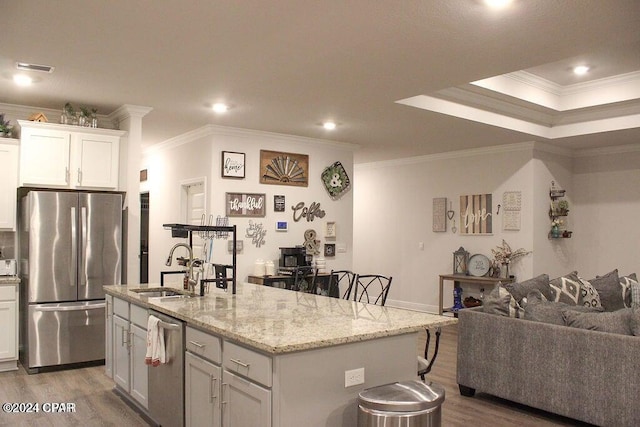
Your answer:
<point x="166" y="381"/>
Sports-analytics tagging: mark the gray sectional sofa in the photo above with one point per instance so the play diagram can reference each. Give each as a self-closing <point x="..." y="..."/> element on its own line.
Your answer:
<point x="588" y="375"/>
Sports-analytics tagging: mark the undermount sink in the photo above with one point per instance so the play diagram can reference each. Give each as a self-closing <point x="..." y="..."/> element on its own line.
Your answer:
<point x="165" y="294"/>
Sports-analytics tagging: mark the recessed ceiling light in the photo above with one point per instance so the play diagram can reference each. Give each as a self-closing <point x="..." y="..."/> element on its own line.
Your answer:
<point x="497" y="4"/>
<point x="219" y="107"/>
<point x="580" y="70"/>
<point x="22" y="80"/>
<point x="329" y="125"/>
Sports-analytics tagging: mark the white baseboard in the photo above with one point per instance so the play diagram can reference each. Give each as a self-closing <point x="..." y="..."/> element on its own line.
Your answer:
<point x="425" y="308"/>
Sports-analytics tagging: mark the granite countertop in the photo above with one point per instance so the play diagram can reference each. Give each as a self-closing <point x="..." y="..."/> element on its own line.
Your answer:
<point x="9" y="280"/>
<point x="280" y="321"/>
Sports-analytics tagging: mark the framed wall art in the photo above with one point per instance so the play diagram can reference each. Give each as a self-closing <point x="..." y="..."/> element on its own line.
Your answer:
<point x="284" y="168"/>
<point x="336" y="180"/>
<point x="245" y="204"/>
<point x="233" y="164"/>
<point x="476" y="214"/>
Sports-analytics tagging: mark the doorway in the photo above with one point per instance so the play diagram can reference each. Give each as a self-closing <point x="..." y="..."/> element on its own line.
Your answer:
<point x="144" y="238"/>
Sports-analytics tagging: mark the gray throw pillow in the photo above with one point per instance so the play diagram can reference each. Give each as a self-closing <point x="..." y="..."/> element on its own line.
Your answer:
<point x="615" y="322"/>
<point x="610" y="291"/>
<point x="566" y="289"/>
<point x="539" y="310"/>
<point x="501" y="303"/>
<point x="520" y="290"/>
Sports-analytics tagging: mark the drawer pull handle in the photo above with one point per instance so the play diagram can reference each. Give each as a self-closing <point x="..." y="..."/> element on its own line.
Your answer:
<point x="238" y="362"/>
<point x="197" y="344"/>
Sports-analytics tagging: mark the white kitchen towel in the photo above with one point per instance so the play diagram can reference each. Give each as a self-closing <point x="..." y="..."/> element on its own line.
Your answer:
<point x="156" y="353"/>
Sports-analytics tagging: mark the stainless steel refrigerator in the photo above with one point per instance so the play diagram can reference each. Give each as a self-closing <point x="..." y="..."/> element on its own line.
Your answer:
<point x="70" y="245"/>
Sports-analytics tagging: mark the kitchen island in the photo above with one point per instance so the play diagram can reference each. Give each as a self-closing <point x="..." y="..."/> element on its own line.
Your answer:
<point x="302" y="348"/>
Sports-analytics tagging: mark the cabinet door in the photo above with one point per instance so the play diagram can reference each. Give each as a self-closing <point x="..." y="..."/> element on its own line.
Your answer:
<point x="8" y="349"/>
<point x="95" y="161"/>
<point x="44" y="157"/>
<point x="244" y="403"/>
<point x="108" y="337"/>
<point x="8" y="185"/>
<point x="121" y="352"/>
<point x="139" y="370"/>
<point x="202" y="391"/>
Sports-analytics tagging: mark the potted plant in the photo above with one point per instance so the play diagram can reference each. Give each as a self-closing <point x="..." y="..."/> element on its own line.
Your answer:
<point x="555" y="227"/>
<point x="563" y="207"/>
<point x="85" y="115"/>
<point x="5" y="127"/>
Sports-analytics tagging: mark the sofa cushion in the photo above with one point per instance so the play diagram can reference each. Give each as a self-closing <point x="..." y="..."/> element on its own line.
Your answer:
<point x="635" y="322"/>
<point x="616" y="322"/>
<point x="589" y="296"/>
<point x="520" y="290"/>
<point x="627" y="283"/>
<point x="566" y="289"/>
<point x="502" y="303"/>
<point x="610" y="291"/>
<point x="539" y="310"/>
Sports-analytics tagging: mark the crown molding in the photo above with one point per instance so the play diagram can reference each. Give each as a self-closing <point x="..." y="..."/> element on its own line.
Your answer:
<point x="601" y="151"/>
<point x="217" y="130"/>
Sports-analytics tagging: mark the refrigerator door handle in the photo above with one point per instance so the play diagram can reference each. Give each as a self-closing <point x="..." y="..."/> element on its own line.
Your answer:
<point x="74" y="243"/>
<point x="70" y="307"/>
<point x="83" y="236"/>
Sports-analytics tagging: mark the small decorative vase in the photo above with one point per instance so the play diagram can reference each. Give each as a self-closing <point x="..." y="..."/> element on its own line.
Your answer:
<point x="457" y="299"/>
<point x="555" y="231"/>
<point x="505" y="270"/>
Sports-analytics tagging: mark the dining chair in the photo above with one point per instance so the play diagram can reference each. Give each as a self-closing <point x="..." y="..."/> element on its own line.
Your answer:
<point x="424" y="363"/>
<point x="304" y="279"/>
<point x="371" y="288"/>
<point x="341" y="279"/>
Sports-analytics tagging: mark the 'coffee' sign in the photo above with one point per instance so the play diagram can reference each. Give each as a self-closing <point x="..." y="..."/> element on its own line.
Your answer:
<point x="245" y="204"/>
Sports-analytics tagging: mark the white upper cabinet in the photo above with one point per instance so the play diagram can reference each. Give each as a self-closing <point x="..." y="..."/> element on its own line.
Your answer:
<point x="62" y="156"/>
<point x="8" y="183"/>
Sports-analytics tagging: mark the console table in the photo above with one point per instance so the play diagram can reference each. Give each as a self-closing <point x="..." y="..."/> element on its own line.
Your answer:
<point x="474" y="280"/>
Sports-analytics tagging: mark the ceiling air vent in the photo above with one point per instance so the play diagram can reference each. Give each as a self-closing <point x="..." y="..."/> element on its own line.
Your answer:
<point x="34" y="67"/>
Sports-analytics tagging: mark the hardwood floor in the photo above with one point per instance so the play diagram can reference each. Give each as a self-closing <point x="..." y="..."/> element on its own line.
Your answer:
<point x="483" y="409"/>
<point x="96" y="404"/>
<point x="88" y="388"/>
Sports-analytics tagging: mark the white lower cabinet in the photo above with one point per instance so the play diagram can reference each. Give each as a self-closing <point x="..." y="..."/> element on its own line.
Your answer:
<point x="9" y="322"/>
<point x="244" y="403"/>
<point x="202" y="392"/>
<point x="130" y="372"/>
<point x="225" y="384"/>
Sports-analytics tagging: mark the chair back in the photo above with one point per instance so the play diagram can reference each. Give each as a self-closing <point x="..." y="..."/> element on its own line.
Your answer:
<point x="341" y="279"/>
<point x="304" y="279"/>
<point x="371" y="288"/>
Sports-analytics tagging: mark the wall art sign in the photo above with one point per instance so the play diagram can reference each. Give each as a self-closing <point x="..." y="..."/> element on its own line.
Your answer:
<point x="512" y="205"/>
<point x="329" y="249"/>
<point x="284" y="168"/>
<point x="245" y="204"/>
<point x="439" y="214"/>
<point x="278" y="203"/>
<point x="336" y="180"/>
<point x="311" y="245"/>
<point x="476" y="214"/>
<point x="232" y="164"/>
<point x="256" y="232"/>
<point x="310" y="213"/>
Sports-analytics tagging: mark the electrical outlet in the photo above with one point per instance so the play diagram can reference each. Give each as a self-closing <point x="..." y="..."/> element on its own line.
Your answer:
<point x="353" y="377"/>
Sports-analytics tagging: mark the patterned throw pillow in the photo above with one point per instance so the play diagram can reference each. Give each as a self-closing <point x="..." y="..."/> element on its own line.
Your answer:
<point x="627" y="283"/>
<point x="502" y="303"/>
<point x="610" y="291"/>
<point x="588" y="294"/>
<point x="566" y="289"/>
<point x="635" y="295"/>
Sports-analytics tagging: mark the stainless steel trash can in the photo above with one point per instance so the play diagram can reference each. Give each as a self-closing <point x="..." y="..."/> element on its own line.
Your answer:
<point x="401" y="404"/>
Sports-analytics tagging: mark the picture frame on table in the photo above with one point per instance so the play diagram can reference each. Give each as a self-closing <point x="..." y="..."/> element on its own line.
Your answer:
<point x="233" y="164"/>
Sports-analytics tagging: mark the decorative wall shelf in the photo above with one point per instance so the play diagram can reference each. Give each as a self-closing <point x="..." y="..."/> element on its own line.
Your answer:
<point x="558" y="209"/>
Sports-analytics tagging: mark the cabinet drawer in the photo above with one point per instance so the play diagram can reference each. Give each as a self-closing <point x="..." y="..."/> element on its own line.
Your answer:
<point x="121" y="308"/>
<point x="204" y="345"/>
<point x="139" y="316"/>
<point x="8" y="293"/>
<point x="248" y="363"/>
